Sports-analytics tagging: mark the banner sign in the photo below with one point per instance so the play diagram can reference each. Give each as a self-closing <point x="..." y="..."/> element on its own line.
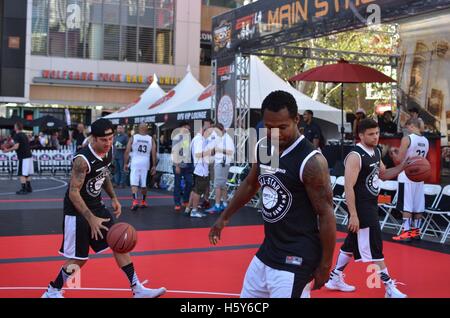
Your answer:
<point x="226" y="91"/>
<point x="265" y="23"/>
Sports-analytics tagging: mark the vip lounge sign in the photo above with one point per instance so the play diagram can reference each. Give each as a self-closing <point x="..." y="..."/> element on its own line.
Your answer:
<point x="267" y="22"/>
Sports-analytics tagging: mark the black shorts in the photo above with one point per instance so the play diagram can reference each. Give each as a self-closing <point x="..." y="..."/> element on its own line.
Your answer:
<point x="200" y="184"/>
<point x="366" y="245"/>
<point x="77" y="235"/>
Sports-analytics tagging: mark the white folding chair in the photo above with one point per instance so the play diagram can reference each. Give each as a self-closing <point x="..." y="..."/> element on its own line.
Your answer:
<point x="14" y="164"/>
<point x="389" y="187"/>
<point x="339" y="199"/>
<point x="432" y="194"/>
<point x="5" y="168"/>
<point x="440" y="209"/>
<point x="332" y="181"/>
<point x="234" y="179"/>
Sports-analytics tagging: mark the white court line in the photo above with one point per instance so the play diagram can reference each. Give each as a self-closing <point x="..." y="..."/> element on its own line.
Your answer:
<point x="121" y="289"/>
<point x="64" y="183"/>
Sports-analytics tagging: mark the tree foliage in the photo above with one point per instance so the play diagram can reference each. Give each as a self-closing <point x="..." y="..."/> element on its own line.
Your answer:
<point x="381" y="39"/>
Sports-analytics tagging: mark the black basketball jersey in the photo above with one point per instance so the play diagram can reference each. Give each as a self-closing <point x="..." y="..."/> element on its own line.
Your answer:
<point x="93" y="182"/>
<point x="367" y="185"/>
<point x="290" y="223"/>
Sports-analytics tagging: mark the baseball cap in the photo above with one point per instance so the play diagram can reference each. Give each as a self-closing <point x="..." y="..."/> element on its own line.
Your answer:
<point x="360" y="110"/>
<point x="102" y="127"/>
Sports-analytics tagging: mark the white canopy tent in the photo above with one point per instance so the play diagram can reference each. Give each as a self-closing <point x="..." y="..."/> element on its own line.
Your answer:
<point x="187" y="89"/>
<point x="262" y="82"/>
<point x="140" y="106"/>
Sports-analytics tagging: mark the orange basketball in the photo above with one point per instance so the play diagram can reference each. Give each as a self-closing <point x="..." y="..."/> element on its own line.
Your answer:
<point x="418" y="169"/>
<point x="122" y="238"/>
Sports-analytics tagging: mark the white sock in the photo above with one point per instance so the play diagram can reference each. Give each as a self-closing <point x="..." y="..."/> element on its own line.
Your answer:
<point x="417" y="223"/>
<point x="342" y="262"/>
<point x="406" y="224"/>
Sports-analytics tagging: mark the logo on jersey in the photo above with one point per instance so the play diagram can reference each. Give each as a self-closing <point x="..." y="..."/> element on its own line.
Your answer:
<point x="94" y="185"/>
<point x="275" y="197"/>
<point x="373" y="181"/>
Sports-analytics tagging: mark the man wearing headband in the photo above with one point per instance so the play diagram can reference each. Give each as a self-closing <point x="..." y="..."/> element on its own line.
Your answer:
<point x="86" y="219"/>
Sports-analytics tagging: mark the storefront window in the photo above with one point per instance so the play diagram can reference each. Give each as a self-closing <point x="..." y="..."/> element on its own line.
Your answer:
<point x="39" y="27"/>
<point x="57" y="27"/>
<point x="111" y="37"/>
<point x="121" y="30"/>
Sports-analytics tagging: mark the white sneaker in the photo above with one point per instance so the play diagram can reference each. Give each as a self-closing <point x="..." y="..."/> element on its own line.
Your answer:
<point x="392" y="291"/>
<point x="52" y="293"/>
<point x="139" y="291"/>
<point x="197" y="214"/>
<point x="336" y="282"/>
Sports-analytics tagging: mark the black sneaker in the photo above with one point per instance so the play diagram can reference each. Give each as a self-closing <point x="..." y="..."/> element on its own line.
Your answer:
<point x="22" y="191"/>
<point x="29" y="190"/>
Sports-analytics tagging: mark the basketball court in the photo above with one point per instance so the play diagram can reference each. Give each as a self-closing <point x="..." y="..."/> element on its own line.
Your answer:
<point x="173" y="251"/>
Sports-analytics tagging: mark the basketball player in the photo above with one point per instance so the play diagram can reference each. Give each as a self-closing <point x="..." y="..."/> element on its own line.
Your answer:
<point x="86" y="219"/>
<point x="299" y="225"/>
<point x="363" y="168"/>
<point x="411" y="195"/>
<point x="25" y="165"/>
<point x="140" y="147"/>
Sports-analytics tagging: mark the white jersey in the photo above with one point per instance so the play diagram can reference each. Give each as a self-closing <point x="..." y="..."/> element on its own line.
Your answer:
<point x="141" y="150"/>
<point x="418" y="146"/>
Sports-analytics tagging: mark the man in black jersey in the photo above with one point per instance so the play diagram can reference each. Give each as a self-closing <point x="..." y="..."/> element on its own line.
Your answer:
<point x="363" y="169"/>
<point x="86" y="219"/>
<point x="299" y="225"/>
<point x="25" y="164"/>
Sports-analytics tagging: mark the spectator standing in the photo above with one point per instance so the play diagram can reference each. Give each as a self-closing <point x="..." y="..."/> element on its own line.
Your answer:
<point x="120" y="144"/>
<point x="312" y="131"/>
<point x="183" y="166"/>
<point x="360" y="115"/>
<point x="224" y="153"/>
<point x="386" y="123"/>
<point x="25" y="165"/>
<point x="79" y="136"/>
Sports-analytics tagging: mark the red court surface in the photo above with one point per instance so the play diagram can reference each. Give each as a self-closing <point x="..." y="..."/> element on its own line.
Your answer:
<point x="188" y="266"/>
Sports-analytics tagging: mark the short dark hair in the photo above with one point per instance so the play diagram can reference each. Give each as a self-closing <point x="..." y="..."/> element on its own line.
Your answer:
<point x="309" y="111"/>
<point x="219" y="126"/>
<point x="209" y="120"/>
<point x="414" y="110"/>
<point x="366" y="123"/>
<point x="279" y="100"/>
<point x="19" y="125"/>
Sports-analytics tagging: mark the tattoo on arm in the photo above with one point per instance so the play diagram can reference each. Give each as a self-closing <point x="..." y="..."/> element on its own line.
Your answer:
<point x="108" y="187"/>
<point x="79" y="171"/>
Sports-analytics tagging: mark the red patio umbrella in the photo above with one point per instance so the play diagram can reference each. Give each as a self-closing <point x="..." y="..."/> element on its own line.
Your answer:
<point x="343" y="72"/>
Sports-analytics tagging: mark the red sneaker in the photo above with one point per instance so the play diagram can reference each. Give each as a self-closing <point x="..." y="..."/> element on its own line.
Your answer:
<point x="405" y="236"/>
<point x="143" y="204"/>
<point x="135" y="205"/>
<point x="415" y="234"/>
<point x="177" y="208"/>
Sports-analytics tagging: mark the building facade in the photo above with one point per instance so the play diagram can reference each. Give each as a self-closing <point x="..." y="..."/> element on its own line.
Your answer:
<point x="93" y="56"/>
